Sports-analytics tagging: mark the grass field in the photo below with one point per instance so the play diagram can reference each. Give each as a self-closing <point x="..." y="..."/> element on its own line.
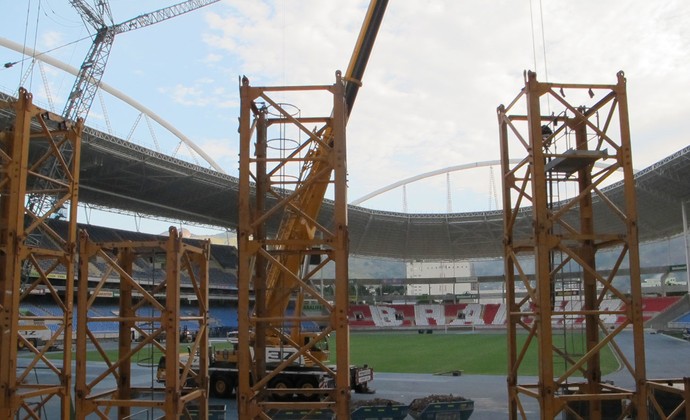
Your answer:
<point x="484" y="353"/>
<point x="405" y="352"/>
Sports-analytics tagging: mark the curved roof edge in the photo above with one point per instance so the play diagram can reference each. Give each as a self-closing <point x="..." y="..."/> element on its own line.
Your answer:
<point x="119" y="175"/>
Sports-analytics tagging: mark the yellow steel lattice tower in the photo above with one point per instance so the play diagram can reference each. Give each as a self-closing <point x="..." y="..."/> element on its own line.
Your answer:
<point x="34" y="258"/>
<point x="556" y="176"/>
<point x="277" y="358"/>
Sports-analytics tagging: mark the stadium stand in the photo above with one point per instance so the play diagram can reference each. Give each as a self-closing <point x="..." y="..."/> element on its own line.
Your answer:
<point x="101" y="234"/>
<point x="224" y="315"/>
<point x="226" y="256"/>
<point x="667" y="319"/>
<point x="611" y="305"/>
<point x="453" y="311"/>
<point x="223" y="286"/>
<point x="653" y="306"/>
<point x="221" y="279"/>
<point x="360" y="316"/>
<point x="568" y="320"/>
<point x="500" y="316"/>
<point x="489" y="315"/>
<point x="473" y="314"/>
<point x="406" y="313"/>
<point x="384" y="316"/>
<point x="429" y="315"/>
<point x="684" y="320"/>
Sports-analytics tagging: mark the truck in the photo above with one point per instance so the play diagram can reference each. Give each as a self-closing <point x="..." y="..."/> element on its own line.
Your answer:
<point x="36" y="334"/>
<point x="223" y="371"/>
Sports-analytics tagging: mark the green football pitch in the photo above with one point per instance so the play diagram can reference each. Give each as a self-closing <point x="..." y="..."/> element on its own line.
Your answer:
<point x="471" y="353"/>
<point x="482" y="353"/>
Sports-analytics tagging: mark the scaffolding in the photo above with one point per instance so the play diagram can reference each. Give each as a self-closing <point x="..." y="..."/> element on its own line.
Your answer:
<point x="35" y="259"/>
<point x="150" y="312"/>
<point x="290" y="174"/>
<point x="557" y="145"/>
<point x="39" y="155"/>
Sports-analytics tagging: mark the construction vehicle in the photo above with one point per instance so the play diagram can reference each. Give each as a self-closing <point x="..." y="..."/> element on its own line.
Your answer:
<point x="35" y="334"/>
<point x="223" y="371"/>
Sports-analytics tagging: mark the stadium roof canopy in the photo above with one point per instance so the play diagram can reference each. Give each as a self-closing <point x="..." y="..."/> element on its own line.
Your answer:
<point x="120" y="175"/>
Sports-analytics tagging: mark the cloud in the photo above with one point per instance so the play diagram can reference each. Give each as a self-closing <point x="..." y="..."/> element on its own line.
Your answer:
<point x="52" y="39"/>
<point x="185" y="95"/>
<point x="436" y="75"/>
<point x="213" y="58"/>
<point x="202" y="93"/>
<point x="414" y="113"/>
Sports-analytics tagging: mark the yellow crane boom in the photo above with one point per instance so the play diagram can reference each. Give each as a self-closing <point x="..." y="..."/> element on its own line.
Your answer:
<point x="279" y="357"/>
<point x="298" y="222"/>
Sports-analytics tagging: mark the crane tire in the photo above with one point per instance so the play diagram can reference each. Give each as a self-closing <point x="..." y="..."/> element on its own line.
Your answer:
<point x="307" y="383"/>
<point x="221" y="386"/>
<point x="280" y="382"/>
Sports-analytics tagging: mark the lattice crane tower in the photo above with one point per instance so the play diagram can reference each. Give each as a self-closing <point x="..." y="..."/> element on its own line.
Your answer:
<point x="557" y="177"/>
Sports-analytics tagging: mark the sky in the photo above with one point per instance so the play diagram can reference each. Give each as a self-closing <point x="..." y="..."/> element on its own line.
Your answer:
<point x="436" y="75"/>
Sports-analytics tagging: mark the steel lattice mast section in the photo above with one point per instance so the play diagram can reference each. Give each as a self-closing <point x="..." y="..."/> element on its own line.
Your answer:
<point x="46" y="267"/>
<point x="152" y="311"/>
<point x="290" y="184"/>
<point x="556" y="176"/>
<point x="285" y="253"/>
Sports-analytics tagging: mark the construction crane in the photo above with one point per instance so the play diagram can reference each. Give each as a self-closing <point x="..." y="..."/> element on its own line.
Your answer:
<point x="310" y="201"/>
<point x="279" y="361"/>
<point x="92" y="69"/>
<point x="276" y="361"/>
<point x="41" y="201"/>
